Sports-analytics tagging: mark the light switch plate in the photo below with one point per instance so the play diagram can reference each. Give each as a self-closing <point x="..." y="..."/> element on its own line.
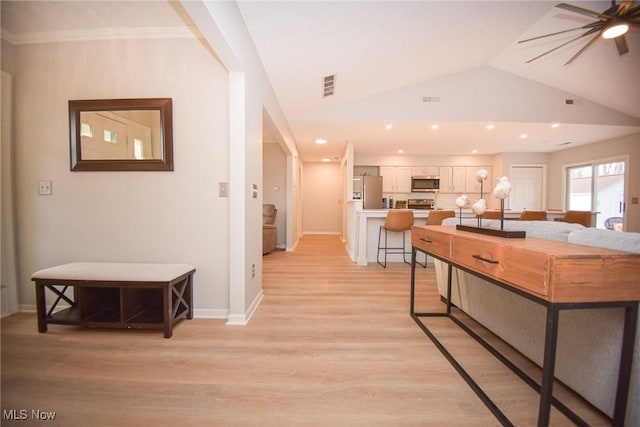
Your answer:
<point x="44" y="188"/>
<point x="223" y="189"/>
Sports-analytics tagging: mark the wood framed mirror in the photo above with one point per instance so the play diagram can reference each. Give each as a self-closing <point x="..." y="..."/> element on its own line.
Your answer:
<point x="121" y="134"/>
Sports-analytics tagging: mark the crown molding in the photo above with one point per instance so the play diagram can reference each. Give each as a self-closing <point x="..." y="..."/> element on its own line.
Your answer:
<point x="98" y="34"/>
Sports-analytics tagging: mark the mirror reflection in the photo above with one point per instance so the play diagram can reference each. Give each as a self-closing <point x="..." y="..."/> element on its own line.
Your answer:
<point x="133" y="134"/>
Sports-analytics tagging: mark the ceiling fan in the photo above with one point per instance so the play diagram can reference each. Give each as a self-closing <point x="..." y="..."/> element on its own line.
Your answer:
<point x="613" y="23"/>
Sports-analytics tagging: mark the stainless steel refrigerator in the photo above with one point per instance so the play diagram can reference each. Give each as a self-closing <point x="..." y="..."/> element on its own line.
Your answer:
<point x="369" y="189"/>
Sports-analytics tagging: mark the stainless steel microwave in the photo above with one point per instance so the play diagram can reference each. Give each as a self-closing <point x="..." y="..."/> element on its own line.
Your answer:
<point x="425" y="184"/>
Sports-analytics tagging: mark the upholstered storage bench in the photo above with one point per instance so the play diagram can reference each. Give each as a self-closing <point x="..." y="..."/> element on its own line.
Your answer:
<point x="116" y="295"/>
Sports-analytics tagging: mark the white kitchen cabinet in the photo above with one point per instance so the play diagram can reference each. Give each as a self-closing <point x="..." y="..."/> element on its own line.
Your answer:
<point x="445" y="179"/>
<point x="452" y="179"/>
<point x="418" y="171"/>
<point x="396" y="179"/>
<point x="431" y="171"/>
<point x="472" y="185"/>
<point x="425" y="171"/>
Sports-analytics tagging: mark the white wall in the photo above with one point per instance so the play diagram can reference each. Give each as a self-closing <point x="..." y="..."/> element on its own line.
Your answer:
<point x="124" y="216"/>
<point x="251" y="100"/>
<point x="322" y="198"/>
<point x="505" y="160"/>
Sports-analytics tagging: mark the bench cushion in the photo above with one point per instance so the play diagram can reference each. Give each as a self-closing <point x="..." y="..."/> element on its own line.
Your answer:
<point x="114" y="271"/>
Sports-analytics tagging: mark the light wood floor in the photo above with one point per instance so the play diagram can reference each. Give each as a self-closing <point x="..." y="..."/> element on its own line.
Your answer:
<point x="332" y="344"/>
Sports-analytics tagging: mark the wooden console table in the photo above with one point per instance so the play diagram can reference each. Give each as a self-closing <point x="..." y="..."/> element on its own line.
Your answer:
<point x="116" y="295"/>
<point x="557" y="275"/>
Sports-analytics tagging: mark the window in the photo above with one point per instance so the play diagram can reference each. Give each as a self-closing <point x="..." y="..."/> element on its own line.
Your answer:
<point x="137" y="149"/>
<point x="86" y="130"/>
<point x="579" y="186"/>
<point x="599" y="187"/>
<point x="110" y="136"/>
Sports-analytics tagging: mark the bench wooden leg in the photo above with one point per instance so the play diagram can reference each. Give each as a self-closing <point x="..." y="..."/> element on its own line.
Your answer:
<point x="167" y="310"/>
<point x="41" y="305"/>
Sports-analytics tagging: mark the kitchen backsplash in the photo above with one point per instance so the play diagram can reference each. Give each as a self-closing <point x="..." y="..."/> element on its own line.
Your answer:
<point x="445" y="200"/>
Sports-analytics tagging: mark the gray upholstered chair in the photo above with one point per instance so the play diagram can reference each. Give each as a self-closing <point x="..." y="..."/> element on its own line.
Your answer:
<point x="269" y="229"/>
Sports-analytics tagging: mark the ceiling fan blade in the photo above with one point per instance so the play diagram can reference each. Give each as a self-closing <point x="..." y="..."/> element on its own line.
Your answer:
<point x="583" y="11"/>
<point x="635" y="9"/>
<point x="585" y="47"/>
<point x="621" y="44"/>
<point x="623" y="7"/>
<point x="561" y="32"/>
<point x="591" y="31"/>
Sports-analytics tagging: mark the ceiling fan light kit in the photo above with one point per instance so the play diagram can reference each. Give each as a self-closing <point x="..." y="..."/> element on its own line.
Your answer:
<point x="615" y="30"/>
<point x="613" y="23"/>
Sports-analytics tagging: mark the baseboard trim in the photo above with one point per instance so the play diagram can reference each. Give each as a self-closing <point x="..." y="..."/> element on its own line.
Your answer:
<point x="324" y="233"/>
<point x="243" y="319"/>
<point x="210" y="313"/>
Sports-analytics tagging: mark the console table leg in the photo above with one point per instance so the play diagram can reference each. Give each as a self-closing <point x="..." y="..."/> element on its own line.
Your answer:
<point x="626" y="360"/>
<point x="548" y="366"/>
<point x="413" y="281"/>
<point x="449" y="278"/>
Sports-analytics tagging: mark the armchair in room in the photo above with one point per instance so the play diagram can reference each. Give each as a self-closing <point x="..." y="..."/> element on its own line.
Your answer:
<point x="269" y="229"/>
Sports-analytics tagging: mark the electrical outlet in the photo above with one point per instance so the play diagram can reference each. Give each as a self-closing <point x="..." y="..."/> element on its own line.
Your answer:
<point x="253" y="270"/>
<point x="44" y="188"/>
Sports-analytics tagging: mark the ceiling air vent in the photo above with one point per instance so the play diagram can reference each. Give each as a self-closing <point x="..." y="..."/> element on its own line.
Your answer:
<point x="569" y="101"/>
<point x="430" y="99"/>
<point x="329" y="85"/>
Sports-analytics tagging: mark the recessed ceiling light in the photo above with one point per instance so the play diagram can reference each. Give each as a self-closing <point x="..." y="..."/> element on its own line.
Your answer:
<point x="474" y="151"/>
<point x="389" y="126"/>
<point x="555" y="125"/>
<point x="434" y="127"/>
<point x="524" y="136"/>
<point x="326" y="159"/>
<point x="321" y="141"/>
<point x="400" y="151"/>
<point x="490" y="126"/>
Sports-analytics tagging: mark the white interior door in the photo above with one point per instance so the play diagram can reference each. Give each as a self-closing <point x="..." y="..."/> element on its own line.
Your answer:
<point x="527" y="187"/>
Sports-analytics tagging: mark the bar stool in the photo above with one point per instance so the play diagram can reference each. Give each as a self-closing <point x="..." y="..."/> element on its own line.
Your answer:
<point x="398" y="221"/>
<point x="533" y="216"/>
<point x="436" y="217"/>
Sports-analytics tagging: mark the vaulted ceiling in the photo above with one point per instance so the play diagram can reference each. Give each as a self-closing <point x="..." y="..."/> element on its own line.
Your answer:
<point x="412" y="65"/>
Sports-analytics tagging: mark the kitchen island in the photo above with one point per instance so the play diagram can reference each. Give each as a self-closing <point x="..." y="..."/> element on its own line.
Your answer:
<point x="362" y="227"/>
<point x="366" y="225"/>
